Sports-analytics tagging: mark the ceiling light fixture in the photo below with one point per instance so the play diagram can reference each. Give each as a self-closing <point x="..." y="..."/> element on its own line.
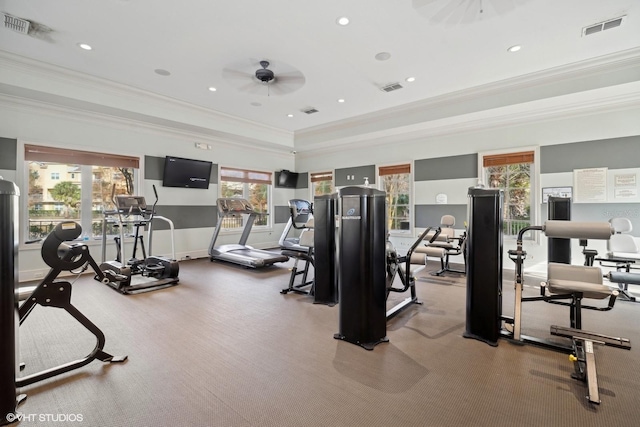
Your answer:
<point x="515" y="48"/>
<point x="341" y="101"/>
<point x="383" y="56"/>
<point x="161" y="72"/>
<point x="343" y="20"/>
<point x="84" y="46"/>
<point x="212" y="89"/>
<point x="289" y="115"/>
<point x="410" y="79"/>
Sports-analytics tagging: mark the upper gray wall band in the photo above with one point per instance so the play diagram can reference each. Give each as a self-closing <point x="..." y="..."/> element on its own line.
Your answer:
<point x="8" y="154"/>
<point x="616" y="153"/>
<point x="453" y="167"/>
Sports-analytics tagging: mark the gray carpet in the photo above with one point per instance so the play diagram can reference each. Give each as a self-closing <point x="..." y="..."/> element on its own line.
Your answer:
<point x="225" y="348"/>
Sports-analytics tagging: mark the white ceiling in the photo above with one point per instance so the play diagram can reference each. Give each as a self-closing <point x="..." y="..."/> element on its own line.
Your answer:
<point x="447" y="45"/>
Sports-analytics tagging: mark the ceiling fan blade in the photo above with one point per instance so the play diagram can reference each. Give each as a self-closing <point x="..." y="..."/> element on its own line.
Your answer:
<point x="235" y="74"/>
<point x="294" y="77"/>
<point x="253" y="88"/>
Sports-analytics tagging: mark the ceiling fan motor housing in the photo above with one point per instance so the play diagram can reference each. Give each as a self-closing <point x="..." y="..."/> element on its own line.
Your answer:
<point x="264" y="75"/>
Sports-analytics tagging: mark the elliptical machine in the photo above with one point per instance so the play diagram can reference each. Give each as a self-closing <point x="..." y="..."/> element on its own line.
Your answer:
<point x="149" y="272"/>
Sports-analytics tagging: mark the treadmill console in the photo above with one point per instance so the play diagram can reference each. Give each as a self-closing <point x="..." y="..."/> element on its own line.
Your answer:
<point x="231" y="206"/>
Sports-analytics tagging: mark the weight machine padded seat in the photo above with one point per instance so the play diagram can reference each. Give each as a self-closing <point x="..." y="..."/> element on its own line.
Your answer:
<point x="569" y="279"/>
<point x="417" y="263"/>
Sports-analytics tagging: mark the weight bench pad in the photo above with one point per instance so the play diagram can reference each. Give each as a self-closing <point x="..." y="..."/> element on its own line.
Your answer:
<point x="567" y="279"/>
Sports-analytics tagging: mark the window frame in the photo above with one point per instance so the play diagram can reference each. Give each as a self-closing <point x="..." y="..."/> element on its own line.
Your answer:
<point x="411" y="204"/>
<point x="312" y="190"/>
<point x="534" y="185"/>
<point x="268" y="227"/>
<point x="22" y="173"/>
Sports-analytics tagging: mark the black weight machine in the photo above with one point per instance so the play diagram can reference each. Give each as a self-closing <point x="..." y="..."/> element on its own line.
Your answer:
<point x="407" y="266"/>
<point x="61" y="256"/>
<point x="150" y="272"/>
<point x="565" y="285"/>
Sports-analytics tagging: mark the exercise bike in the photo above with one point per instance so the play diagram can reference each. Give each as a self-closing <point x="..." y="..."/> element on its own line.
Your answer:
<point x="149" y="272"/>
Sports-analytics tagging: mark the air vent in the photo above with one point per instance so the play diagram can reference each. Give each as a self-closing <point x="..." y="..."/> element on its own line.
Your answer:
<point x="391" y="87"/>
<point x="606" y="25"/>
<point x="309" y="111"/>
<point x="16" y="24"/>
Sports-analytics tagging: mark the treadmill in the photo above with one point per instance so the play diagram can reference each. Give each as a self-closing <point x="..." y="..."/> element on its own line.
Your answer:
<point x="300" y="212"/>
<point x="240" y="253"/>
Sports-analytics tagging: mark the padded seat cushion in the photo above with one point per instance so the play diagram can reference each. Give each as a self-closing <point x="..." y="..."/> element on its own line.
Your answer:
<point x="417" y="263"/>
<point x="589" y="290"/>
<point x="431" y="251"/>
<point x="566" y="279"/>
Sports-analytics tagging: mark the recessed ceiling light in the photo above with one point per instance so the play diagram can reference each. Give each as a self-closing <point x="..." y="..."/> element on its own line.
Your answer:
<point x="343" y="20"/>
<point x="212" y="89"/>
<point x="161" y="72"/>
<point x="383" y="56"/>
<point x="256" y="104"/>
<point x="410" y="79"/>
<point x="289" y="115"/>
<point x="341" y="100"/>
<point x="515" y="48"/>
<point x="84" y="46"/>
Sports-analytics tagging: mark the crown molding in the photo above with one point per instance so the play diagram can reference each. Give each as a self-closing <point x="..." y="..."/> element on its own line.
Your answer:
<point x="29" y="71"/>
<point x="624" y="60"/>
<point x="158" y="127"/>
<point x="619" y="98"/>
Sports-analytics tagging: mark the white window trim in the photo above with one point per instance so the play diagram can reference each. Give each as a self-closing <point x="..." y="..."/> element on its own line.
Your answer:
<point x="310" y="184"/>
<point x="22" y="180"/>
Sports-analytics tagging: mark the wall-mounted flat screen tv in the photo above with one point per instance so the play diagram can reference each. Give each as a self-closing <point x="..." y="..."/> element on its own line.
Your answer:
<point x="186" y="173"/>
<point x="287" y="179"/>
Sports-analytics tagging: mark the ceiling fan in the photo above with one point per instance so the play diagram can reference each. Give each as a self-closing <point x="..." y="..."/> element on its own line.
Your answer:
<point x="263" y="77"/>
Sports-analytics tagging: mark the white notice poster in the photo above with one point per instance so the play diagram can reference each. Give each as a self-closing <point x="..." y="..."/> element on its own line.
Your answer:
<point x="590" y="185"/>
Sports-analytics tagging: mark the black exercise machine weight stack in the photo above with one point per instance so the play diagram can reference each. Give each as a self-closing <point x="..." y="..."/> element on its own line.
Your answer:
<point x="9" y="398"/>
<point x="362" y="273"/>
<point x="324" y="250"/>
<point x="484" y="265"/>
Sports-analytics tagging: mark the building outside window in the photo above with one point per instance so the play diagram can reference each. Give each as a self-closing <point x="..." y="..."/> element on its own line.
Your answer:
<point x="395" y="181"/>
<point x="254" y="186"/>
<point x="513" y="173"/>
<point x="73" y="185"/>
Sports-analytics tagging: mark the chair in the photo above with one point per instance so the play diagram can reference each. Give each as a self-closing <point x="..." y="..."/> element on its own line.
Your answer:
<point x="622" y="244"/>
<point x="445" y="245"/>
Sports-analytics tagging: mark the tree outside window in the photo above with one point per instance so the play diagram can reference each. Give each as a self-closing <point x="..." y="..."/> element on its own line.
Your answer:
<point x="73" y="185"/>
<point x="321" y="183"/>
<point x="512" y="173"/>
<point x="396" y="182"/>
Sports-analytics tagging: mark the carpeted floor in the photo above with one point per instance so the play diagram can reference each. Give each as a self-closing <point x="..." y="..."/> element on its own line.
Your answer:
<point x="225" y="348"/>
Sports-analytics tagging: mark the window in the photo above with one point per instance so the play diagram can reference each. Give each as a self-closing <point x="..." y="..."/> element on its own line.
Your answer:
<point x="513" y="173"/>
<point x="73" y="185"/>
<point x="396" y="182"/>
<point x="321" y="183"/>
<point x="255" y="186"/>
